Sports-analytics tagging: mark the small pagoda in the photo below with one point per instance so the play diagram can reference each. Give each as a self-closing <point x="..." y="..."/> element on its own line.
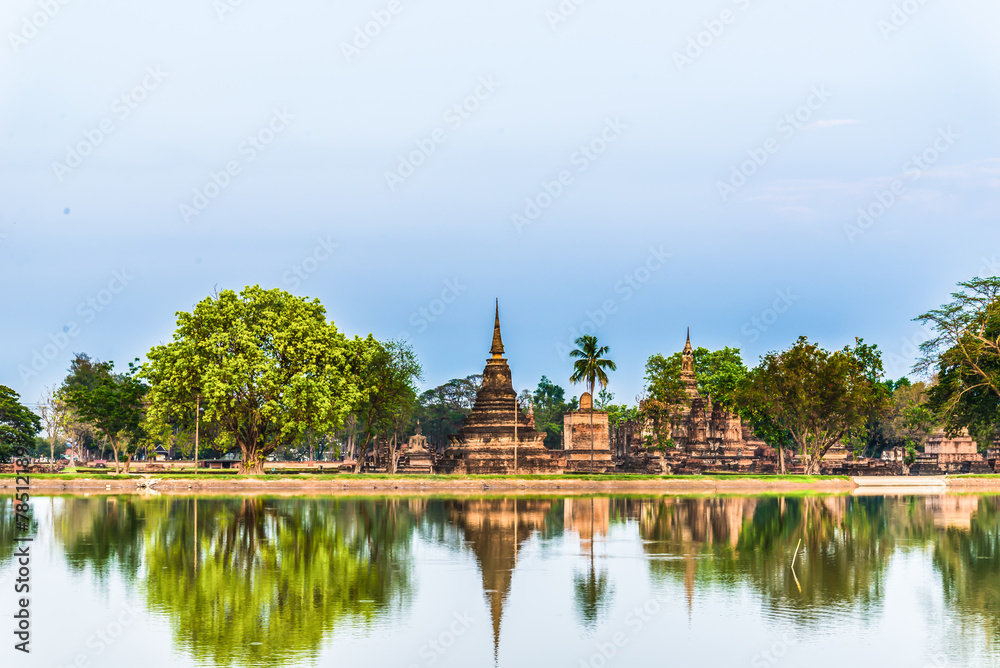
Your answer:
<point x="498" y="437"/>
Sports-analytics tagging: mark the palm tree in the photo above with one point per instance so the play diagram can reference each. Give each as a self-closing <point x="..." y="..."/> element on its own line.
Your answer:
<point x="590" y="368"/>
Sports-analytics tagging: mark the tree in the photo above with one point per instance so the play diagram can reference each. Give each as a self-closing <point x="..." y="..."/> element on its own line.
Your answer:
<point x="549" y="404"/>
<point x="113" y="406"/>
<point x="266" y="365"/>
<point x="818" y="396"/>
<point x="965" y="355"/>
<point x="443" y="410"/>
<point x="49" y="411"/>
<point x="18" y="425"/>
<point x="870" y="437"/>
<point x="591" y="368"/>
<point x="83" y="372"/>
<point x="387" y="380"/>
<point x="719" y="374"/>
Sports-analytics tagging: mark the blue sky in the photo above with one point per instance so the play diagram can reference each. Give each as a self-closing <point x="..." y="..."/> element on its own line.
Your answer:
<point x="630" y="168"/>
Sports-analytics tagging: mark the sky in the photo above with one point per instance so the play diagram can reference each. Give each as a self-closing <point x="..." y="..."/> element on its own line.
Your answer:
<point x="753" y="170"/>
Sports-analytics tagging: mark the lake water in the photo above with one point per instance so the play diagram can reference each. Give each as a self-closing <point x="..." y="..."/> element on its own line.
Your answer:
<point x="519" y="582"/>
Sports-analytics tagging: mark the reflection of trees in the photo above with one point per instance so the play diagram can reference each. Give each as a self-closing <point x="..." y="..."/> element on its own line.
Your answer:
<point x="969" y="563"/>
<point x="251" y="581"/>
<point x="8" y="529"/>
<point x="845" y="548"/>
<point x="102" y="533"/>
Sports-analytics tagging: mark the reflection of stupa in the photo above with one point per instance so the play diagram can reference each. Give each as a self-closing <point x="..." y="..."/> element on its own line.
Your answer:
<point x="486" y="443"/>
<point x="952" y="511"/>
<point x="494" y="530"/>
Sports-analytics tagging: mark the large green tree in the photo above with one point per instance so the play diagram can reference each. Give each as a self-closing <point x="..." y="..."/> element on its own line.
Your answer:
<point x="113" y="405"/>
<point x="965" y="356"/>
<point x="18" y="424"/>
<point x="264" y="364"/>
<point x="818" y="396"/>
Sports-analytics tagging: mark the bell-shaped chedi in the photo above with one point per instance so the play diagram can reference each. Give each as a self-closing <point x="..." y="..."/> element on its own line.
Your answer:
<point x="498" y="437"/>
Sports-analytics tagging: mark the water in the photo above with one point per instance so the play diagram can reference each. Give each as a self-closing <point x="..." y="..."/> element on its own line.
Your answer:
<point x="520" y="582"/>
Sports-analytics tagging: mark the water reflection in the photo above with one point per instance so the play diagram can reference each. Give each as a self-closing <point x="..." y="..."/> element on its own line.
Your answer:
<point x="266" y="581"/>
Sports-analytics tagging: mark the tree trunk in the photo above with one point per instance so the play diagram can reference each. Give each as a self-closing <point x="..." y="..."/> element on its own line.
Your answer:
<point x="781" y="460"/>
<point x="128" y="461"/>
<point x="253" y="459"/>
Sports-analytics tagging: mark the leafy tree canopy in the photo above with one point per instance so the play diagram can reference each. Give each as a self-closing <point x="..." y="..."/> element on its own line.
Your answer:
<point x="265" y="365"/>
<point x="818" y="396"/>
<point x="965" y="356"/>
<point x="18" y="424"/>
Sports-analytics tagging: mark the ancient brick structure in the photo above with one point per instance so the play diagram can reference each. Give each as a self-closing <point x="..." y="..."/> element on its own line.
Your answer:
<point x="497" y="431"/>
<point x="707" y="438"/>
<point x="950" y="455"/>
<point x="584" y="427"/>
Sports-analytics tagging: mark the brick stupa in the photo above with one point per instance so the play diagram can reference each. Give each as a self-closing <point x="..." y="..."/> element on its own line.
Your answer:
<point x="486" y="443"/>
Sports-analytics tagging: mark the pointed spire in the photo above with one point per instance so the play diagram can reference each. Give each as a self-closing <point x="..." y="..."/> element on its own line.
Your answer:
<point x="497" y="348"/>
<point x="687" y="345"/>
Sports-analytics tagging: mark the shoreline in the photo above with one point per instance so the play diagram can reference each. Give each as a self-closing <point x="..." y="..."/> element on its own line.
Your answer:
<point x="412" y="485"/>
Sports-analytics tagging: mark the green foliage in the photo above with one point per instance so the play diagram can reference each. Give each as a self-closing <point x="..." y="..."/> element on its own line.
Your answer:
<point x="549" y="405"/>
<point x="965" y="356"/>
<point x="266" y="365"/>
<point x="590" y="366"/>
<point x="18" y="425"/>
<point x="617" y="413"/>
<point x="387" y="378"/>
<point x="443" y="410"/>
<point x="818" y="396"/>
<point x="719" y="374"/>
<point x="112" y="404"/>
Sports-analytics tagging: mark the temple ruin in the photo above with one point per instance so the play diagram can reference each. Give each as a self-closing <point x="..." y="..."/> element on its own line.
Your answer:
<point x="498" y="437"/>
